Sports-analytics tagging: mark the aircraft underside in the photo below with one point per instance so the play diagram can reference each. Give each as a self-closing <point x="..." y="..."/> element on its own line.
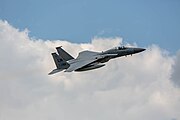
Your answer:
<point x="90" y="67"/>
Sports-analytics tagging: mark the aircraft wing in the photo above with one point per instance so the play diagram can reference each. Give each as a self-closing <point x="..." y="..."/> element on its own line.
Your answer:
<point x="86" y="54"/>
<point x="84" y="58"/>
<point x="76" y="65"/>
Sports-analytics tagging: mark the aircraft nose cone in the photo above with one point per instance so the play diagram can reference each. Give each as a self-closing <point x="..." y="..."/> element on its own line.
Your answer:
<point x="137" y="50"/>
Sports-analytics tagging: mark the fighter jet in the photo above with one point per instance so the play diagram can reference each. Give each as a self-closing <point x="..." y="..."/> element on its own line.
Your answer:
<point x="88" y="60"/>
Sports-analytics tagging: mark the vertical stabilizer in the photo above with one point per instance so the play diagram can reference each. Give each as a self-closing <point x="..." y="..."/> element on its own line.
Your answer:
<point x="64" y="54"/>
<point x="59" y="61"/>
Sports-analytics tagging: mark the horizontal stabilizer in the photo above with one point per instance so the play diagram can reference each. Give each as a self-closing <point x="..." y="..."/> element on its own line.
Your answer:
<point x="55" y="71"/>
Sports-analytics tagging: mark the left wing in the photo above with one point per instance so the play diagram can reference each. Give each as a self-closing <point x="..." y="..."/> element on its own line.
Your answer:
<point x="84" y="58"/>
<point x="76" y="65"/>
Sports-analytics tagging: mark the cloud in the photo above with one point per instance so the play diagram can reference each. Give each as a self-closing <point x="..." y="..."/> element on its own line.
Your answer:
<point x="131" y="88"/>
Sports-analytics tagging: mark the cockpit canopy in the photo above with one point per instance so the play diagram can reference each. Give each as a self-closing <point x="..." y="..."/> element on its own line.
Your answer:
<point x="121" y="48"/>
<point x="117" y="48"/>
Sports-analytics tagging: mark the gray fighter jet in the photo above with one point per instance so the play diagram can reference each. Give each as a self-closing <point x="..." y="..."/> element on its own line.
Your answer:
<point x="88" y="60"/>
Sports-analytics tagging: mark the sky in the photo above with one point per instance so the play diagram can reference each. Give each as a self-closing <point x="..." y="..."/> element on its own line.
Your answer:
<point x="144" y="86"/>
<point x="142" y="21"/>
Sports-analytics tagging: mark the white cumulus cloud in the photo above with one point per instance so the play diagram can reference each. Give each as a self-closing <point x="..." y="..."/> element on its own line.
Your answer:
<point x="137" y="87"/>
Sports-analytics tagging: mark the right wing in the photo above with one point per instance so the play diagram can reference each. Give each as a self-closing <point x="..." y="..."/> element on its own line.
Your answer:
<point x="86" y="54"/>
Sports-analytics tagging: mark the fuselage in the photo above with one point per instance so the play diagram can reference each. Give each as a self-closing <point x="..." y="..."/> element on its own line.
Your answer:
<point x="105" y="56"/>
<point x="119" y="52"/>
<point x="123" y="51"/>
